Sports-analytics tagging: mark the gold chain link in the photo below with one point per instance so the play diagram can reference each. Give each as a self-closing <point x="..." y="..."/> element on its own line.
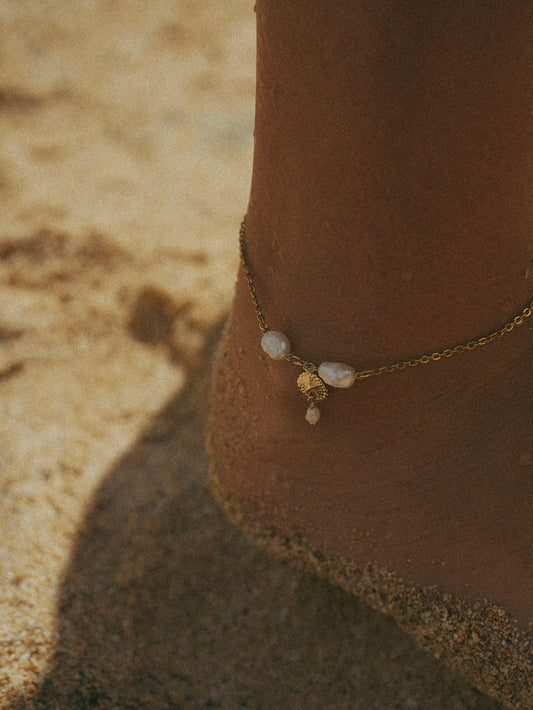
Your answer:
<point x="400" y="365"/>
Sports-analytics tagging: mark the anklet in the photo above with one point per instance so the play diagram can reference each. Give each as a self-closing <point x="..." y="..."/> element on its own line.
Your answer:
<point x="313" y="379"/>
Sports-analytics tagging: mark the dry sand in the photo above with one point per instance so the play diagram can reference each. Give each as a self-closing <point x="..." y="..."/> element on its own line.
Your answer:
<point x="125" y="156"/>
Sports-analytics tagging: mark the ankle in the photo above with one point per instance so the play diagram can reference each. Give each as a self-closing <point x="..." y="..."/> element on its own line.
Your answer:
<point x="377" y="309"/>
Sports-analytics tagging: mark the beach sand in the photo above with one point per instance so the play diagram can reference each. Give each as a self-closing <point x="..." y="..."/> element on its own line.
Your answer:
<point x="125" y="161"/>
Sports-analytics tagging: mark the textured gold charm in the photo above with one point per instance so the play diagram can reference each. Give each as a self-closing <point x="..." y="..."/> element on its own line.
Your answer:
<point x="312" y="387"/>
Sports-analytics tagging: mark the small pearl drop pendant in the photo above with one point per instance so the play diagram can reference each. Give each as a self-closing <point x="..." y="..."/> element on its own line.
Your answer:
<point x="312" y="415"/>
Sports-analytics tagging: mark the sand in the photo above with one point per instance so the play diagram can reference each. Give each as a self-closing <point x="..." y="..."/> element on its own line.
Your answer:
<point x="125" y="159"/>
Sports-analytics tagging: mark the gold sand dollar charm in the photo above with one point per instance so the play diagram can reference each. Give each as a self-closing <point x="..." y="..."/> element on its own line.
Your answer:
<point x="312" y="387"/>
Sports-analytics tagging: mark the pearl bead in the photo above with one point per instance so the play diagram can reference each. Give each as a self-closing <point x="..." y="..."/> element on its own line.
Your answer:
<point x="312" y="415"/>
<point x="275" y="344"/>
<point x="337" y="374"/>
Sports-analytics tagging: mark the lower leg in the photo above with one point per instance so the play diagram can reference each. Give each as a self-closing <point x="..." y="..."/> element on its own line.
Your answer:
<point x="392" y="159"/>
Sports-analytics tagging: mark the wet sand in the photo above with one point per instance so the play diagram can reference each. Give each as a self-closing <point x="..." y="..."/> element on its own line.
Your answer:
<point x="125" y="158"/>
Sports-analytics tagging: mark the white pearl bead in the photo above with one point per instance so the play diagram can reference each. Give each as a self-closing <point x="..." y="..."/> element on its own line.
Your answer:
<point x="275" y="344"/>
<point x="312" y="415"/>
<point x="337" y="374"/>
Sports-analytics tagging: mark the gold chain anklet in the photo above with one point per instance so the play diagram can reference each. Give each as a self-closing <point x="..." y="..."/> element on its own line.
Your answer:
<point x="313" y="380"/>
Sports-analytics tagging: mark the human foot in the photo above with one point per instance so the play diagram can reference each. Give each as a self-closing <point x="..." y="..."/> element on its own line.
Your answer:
<point x="415" y="480"/>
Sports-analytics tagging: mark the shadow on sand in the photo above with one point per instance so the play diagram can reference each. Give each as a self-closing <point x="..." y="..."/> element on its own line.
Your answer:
<point x="165" y="605"/>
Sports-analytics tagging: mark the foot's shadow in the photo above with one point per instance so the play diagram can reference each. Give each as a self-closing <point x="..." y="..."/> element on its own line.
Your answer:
<point x="165" y="605"/>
